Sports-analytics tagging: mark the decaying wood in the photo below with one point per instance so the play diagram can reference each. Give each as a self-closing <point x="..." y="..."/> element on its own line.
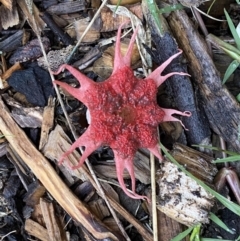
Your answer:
<point x="222" y="110"/>
<point x="47" y="122"/>
<point x="67" y="7"/>
<point x="141" y="170"/>
<point x="13" y="41"/>
<point x="34" y="193"/>
<point x="7" y="3"/>
<point x="180" y="197"/>
<point x="53" y="224"/>
<point x="7" y="74"/>
<point x="30" y="117"/>
<point x="8" y="17"/>
<point x="168" y="227"/>
<point x="110" y="21"/>
<point x="34" y="19"/>
<point x="198" y="163"/>
<point x="58" y="144"/>
<point x="36" y="230"/>
<point x="47" y="175"/>
<point x="65" y="38"/>
<point x="91" y="36"/>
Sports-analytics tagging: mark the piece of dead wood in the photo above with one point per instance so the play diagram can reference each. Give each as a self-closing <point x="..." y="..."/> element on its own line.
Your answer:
<point x="67" y="7"/>
<point x="141" y="170"/>
<point x="91" y="36"/>
<point x="8" y="17"/>
<point x="58" y="144"/>
<point x="7" y="3"/>
<point x="65" y="38"/>
<point x="34" y="19"/>
<point x="34" y="193"/>
<point x="7" y="74"/>
<point x="47" y="122"/>
<point x="47" y="175"/>
<point x="26" y="117"/>
<point x="13" y="41"/>
<point x="198" y="163"/>
<point x="110" y="21"/>
<point x="36" y="230"/>
<point x="53" y="224"/>
<point x="222" y="109"/>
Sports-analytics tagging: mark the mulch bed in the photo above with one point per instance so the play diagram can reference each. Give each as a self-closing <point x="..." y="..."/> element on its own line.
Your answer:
<point x="41" y="200"/>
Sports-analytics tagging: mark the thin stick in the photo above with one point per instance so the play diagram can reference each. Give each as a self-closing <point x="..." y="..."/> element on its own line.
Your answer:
<point x="154" y="206"/>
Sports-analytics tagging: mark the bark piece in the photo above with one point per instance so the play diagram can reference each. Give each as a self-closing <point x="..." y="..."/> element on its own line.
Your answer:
<point x="33" y="18"/>
<point x="99" y="208"/>
<point x="91" y="36"/>
<point x="53" y="224"/>
<point x="109" y="21"/>
<point x="7" y="74"/>
<point x="67" y="7"/>
<point x="222" y="109"/>
<point x="33" y="80"/>
<point x="65" y="38"/>
<point x="47" y="175"/>
<point x="12" y="42"/>
<point x="47" y="123"/>
<point x="36" y="230"/>
<point x="24" y="116"/>
<point x="8" y="17"/>
<point x="7" y="3"/>
<point x="198" y="163"/>
<point x="30" y="51"/>
<point x="34" y="193"/>
<point x="141" y="170"/>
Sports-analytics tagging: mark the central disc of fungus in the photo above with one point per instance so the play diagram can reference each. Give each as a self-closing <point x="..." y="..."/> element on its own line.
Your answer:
<point x="124" y="112"/>
<point x="128" y="114"/>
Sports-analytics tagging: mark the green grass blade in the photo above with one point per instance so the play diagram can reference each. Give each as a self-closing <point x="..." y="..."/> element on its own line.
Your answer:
<point x="182" y="235"/>
<point x="231" y="153"/>
<point x="233" y="30"/>
<point x="231" y="68"/>
<point x="215" y="239"/>
<point x="228" y="159"/>
<point x="220" y="223"/>
<point x="227" y="203"/>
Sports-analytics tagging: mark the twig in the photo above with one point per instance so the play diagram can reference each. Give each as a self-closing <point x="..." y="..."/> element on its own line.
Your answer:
<point x="154" y="206"/>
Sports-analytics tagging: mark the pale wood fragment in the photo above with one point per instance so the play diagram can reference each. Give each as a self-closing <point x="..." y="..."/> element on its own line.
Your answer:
<point x="8" y="73"/>
<point x="111" y="21"/>
<point x="8" y="17"/>
<point x="36" y="230"/>
<point x="54" y="227"/>
<point x="47" y="122"/>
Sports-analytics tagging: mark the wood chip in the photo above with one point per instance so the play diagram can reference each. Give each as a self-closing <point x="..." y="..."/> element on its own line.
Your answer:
<point x="47" y="122"/>
<point x="53" y="224"/>
<point x="36" y="230"/>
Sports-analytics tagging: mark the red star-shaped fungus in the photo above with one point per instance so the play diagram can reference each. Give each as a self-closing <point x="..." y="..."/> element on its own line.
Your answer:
<point x="124" y="112"/>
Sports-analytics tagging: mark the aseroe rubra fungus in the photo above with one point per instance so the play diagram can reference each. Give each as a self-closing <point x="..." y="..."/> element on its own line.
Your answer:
<point x="124" y="112"/>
